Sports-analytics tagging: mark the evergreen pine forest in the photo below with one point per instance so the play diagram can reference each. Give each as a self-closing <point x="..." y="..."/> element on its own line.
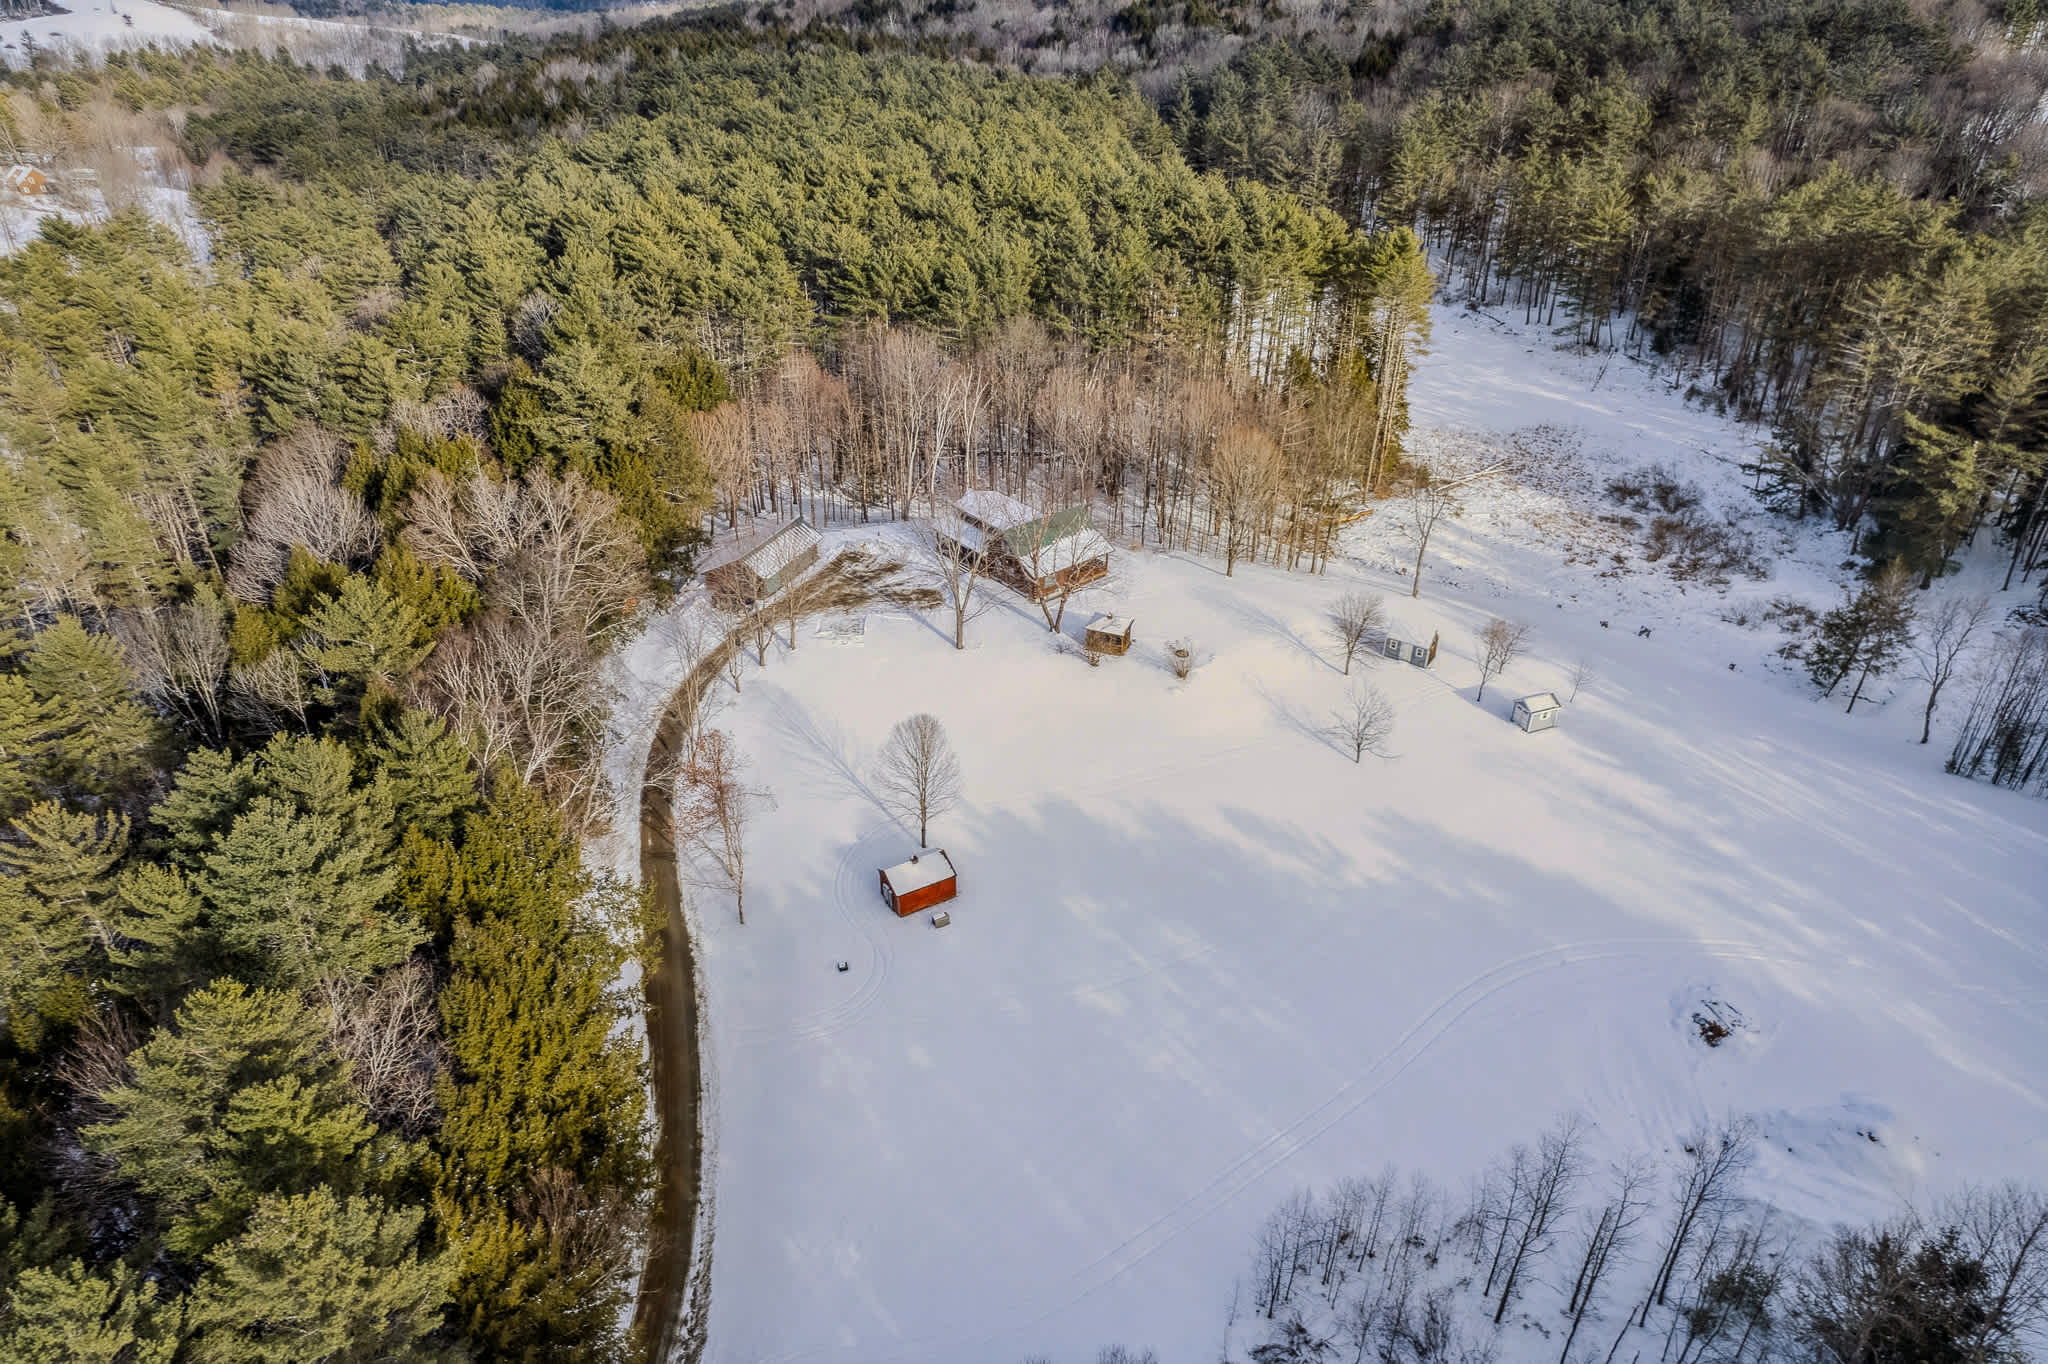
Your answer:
<point x="318" y="532"/>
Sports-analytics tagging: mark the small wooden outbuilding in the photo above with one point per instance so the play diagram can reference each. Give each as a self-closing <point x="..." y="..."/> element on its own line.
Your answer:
<point x="768" y="567"/>
<point x="26" y="180"/>
<point x="927" y="879"/>
<point x="1538" y="711"/>
<point x="1109" y="634"/>
<point x="1406" y="650"/>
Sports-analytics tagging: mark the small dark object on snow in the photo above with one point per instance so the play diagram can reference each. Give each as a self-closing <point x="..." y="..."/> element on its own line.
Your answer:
<point x="1717" y="1021"/>
<point x="1731" y="667"/>
<point x="840" y="964"/>
<point x="1642" y="632"/>
<point x="1603" y="625"/>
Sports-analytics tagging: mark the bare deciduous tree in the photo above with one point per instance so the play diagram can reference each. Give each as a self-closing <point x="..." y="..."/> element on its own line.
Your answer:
<point x="179" y="655"/>
<point x="270" y="692"/>
<point x="294" y="498"/>
<point x="518" y="695"/>
<point x="1431" y="496"/>
<point x="713" y="807"/>
<point x="1546" y="1195"/>
<point x="1364" y="723"/>
<point x="1582" y="674"/>
<point x="1355" y="618"/>
<point x="946" y="541"/>
<point x="1500" y="643"/>
<point x="554" y="550"/>
<point x="1245" y="474"/>
<point x="1608" y="1235"/>
<point x="389" y="1032"/>
<point x="1278" y="1256"/>
<point x="1941" y="646"/>
<point x="1707" y="1179"/>
<point x="917" y="774"/>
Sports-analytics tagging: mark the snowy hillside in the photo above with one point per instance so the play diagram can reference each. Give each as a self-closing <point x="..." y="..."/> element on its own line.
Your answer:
<point x="97" y="27"/>
<point x="1200" y="959"/>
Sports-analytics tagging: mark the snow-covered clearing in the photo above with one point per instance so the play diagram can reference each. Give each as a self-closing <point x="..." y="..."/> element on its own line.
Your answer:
<point x="1201" y="960"/>
<point x="97" y="27"/>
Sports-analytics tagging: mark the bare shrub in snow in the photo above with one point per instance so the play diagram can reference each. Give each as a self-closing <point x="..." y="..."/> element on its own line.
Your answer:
<point x="1654" y="488"/>
<point x="1364" y="723"/>
<point x="918" y="775"/>
<point x="1582" y="674"/>
<point x="1500" y="644"/>
<point x="1703" y="550"/>
<point x="1355" y="618"/>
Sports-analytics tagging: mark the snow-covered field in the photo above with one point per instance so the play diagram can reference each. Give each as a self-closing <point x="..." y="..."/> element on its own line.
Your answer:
<point x="96" y="27"/>
<point x="1200" y="959"/>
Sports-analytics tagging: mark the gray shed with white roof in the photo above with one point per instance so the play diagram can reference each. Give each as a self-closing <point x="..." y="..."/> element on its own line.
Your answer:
<point x="1538" y="711"/>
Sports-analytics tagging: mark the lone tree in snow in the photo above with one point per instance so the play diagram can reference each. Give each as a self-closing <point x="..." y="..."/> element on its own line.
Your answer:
<point x="1864" y="635"/>
<point x="919" y="778"/>
<point x="1431" y="497"/>
<point x="1355" y="618"/>
<point x="1364" y="723"/>
<point x="958" y="569"/>
<point x="1941" y="647"/>
<point x="713" y="803"/>
<point x="1500" y="644"/>
<point x="1582" y="674"/>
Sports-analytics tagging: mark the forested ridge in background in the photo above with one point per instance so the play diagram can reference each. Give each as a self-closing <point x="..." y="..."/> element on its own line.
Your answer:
<point x="1824" y="213"/>
<point x="315" y="1039"/>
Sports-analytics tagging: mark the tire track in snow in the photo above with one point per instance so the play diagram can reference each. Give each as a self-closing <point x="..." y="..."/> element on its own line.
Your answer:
<point x="825" y="1022"/>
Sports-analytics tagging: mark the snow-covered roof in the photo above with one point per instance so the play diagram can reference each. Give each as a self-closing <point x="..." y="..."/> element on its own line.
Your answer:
<point x="995" y="510"/>
<point x="968" y="534"/>
<point x="928" y="868"/>
<point x="781" y="549"/>
<point x="1065" y="553"/>
<point x="1110" y="625"/>
<point x="1542" y="700"/>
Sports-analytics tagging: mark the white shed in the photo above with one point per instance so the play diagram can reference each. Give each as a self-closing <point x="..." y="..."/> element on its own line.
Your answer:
<point x="1539" y="711"/>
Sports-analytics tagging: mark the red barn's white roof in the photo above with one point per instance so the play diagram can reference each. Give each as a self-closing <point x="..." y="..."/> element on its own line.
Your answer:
<point x="928" y="868"/>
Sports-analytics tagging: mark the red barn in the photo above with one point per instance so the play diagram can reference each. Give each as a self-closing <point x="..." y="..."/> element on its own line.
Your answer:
<point x="927" y="879"/>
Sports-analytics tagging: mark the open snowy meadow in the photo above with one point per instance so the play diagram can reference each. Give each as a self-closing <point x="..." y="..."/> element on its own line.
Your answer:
<point x="1201" y="959"/>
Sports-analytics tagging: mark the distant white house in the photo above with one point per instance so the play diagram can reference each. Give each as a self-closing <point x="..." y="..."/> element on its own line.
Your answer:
<point x="1538" y="711"/>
